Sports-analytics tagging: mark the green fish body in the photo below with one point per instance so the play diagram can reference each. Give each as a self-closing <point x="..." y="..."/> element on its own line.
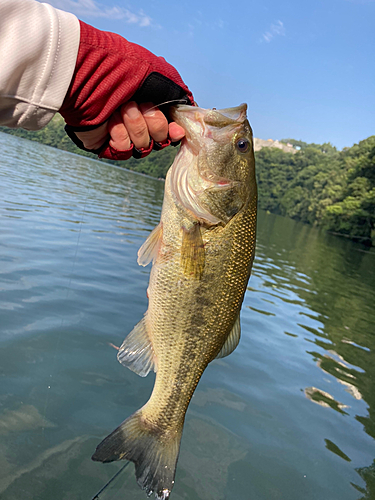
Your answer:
<point x="202" y="253"/>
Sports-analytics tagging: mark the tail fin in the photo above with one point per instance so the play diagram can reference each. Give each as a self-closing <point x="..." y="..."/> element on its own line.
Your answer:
<point x="154" y="454"/>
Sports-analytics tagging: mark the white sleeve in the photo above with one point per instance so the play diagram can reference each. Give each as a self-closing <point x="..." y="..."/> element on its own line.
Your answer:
<point x="38" y="52"/>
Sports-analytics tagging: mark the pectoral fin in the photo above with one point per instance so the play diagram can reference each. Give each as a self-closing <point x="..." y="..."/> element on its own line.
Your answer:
<point x="192" y="252"/>
<point x="232" y="341"/>
<point x="150" y="248"/>
<point x="136" y="351"/>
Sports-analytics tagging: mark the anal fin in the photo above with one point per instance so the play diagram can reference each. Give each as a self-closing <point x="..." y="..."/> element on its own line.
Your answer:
<point x="136" y="351"/>
<point x="192" y="252"/>
<point x="232" y="341"/>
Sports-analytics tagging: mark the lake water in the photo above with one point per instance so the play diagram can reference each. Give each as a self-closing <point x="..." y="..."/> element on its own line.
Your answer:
<point x="289" y="415"/>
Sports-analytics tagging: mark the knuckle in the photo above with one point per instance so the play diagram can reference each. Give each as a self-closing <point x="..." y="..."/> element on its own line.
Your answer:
<point x="138" y="128"/>
<point x="160" y="122"/>
<point x="157" y="126"/>
<point x="121" y="133"/>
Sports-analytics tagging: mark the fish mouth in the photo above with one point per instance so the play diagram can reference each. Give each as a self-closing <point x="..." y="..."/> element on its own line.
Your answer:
<point x="201" y="124"/>
<point x="226" y="117"/>
<point x="219" y="118"/>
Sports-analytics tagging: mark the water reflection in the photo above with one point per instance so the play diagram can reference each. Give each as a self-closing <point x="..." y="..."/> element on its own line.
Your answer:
<point x="25" y="418"/>
<point x="336" y="450"/>
<point x="324" y="399"/>
<point x="335" y="282"/>
<point x="290" y="414"/>
<point x="338" y="315"/>
<point x="368" y="475"/>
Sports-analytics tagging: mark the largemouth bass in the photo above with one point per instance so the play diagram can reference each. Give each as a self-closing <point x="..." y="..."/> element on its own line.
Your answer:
<point x="202" y="252"/>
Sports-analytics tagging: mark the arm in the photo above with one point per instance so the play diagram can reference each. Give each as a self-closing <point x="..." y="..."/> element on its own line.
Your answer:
<point x="112" y="81"/>
<point x="38" y="52"/>
<point x="100" y="83"/>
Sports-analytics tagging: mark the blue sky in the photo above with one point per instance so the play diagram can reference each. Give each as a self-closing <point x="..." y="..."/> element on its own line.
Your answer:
<point x="306" y="68"/>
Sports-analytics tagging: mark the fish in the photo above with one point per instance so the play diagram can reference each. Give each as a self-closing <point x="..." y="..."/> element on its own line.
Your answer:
<point x="202" y="253"/>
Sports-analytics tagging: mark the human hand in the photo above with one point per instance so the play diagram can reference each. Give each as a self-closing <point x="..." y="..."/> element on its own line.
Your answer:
<point x="108" y="104"/>
<point x="132" y="124"/>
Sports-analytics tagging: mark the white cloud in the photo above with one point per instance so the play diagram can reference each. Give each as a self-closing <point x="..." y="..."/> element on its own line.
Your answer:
<point x="276" y="29"/>
<point x="91" y="8"/>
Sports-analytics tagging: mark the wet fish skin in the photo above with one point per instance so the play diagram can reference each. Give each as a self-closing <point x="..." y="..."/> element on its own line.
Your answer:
<point x="202" y="253"/>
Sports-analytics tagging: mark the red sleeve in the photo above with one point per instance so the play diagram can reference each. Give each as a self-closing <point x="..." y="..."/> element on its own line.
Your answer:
<point x="111" y="71"/>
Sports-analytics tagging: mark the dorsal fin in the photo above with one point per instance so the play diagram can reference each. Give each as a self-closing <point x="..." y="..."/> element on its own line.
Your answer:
<point x="150" y="248"/>
<point x="136" y="351"/>
<point x="232" y="341"/>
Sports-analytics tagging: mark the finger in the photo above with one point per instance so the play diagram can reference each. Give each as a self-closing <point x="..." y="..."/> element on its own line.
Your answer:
<point x="94" y="139"/>
<point x="120" y="139"/>
<point x="136" y="125"/>
<point x="156" y="122"/>
<point x="176" y="132"/>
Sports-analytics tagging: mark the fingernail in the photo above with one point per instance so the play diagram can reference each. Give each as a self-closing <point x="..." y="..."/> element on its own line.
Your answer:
<point x="147" y="109"/>
<point x="132" y="112"/>
<point x="149" y="112"/>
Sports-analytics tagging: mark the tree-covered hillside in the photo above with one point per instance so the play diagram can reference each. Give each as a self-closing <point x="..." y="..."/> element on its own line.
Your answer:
<point x="320" y="185"/>
<point x="317" y="184"/>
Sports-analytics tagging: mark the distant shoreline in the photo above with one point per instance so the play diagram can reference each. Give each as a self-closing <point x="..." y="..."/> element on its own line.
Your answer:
<point x="312" y="183"/>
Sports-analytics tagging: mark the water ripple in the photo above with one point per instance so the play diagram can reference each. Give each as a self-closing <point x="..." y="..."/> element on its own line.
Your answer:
<point x="70" y="288"/>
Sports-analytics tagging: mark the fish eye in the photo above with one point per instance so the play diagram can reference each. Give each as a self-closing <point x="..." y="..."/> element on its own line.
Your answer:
<point x="242" y="145"/>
